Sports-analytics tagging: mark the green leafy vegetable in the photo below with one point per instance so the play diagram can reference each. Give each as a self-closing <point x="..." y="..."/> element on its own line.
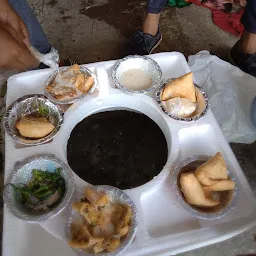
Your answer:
<point x="45" y="188"/>
<point x="43" y="110"/>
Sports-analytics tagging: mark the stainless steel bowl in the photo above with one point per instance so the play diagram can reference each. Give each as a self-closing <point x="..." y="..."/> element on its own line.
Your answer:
<point x="22" y="175"/>
<point x="116" y="195"/>
<point x="202" y="104"/>
<point x="228" y="199"/>
<point x="143" y="63"/>
<point x="51" y="79"/>
<point x="27" y="105"/>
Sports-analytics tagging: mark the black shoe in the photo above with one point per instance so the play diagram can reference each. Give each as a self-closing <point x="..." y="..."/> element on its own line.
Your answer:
<point x="144" y="44"/>
<point x="246" y="62"/>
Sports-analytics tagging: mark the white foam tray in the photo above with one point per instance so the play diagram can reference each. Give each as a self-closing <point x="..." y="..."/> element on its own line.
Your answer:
<point x="165" y="228"/>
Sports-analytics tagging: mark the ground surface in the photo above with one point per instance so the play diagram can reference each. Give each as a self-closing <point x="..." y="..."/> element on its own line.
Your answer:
<point x="95" y="30"/>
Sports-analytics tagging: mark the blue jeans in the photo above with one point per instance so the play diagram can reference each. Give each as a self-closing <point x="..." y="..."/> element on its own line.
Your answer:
<point x="249" y="17"/>
<point x="36" y="34"/>
<point x="156" y="6"/>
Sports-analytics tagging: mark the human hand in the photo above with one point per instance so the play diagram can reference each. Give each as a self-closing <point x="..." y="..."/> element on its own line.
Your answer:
<point x="10" y="17"/>
<point x="14" y="53"/>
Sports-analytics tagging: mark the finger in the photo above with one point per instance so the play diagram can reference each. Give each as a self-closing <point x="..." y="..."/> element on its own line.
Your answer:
<point x="16" y="65"/>
<point x="14" y="34"/>
<point x="28" y="60"/>
<point x="25" y="33"/>
<point x="23" y="54"/>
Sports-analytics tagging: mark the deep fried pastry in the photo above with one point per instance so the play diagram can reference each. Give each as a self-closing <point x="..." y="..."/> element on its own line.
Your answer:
<point x="70" y="83"/>
<point x="112" y="244"/>
<point x="97" y="199"/>
<point x="212" y="170"/>
<point x="91" y="214"/>
<point x="60" y="92"/>
<point x="182" y="87"/>
<point x="222" y="185"/>
<point x="34" y="128"/>
<point x="193" y="191"/>
<point x="105" y="223"/>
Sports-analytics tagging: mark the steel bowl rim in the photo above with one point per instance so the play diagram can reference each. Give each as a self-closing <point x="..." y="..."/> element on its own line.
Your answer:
<point x="43" y="140"/>
<point x="208" y="216"/>
<point x="127" y="240"/>
<point x="183" y="119"/>
<point x="72" y="100"/>
<point x="55" y="211"/>
<point x="124" y="89"/>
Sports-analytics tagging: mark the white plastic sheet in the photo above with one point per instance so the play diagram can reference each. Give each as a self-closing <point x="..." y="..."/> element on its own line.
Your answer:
<point x="230" y="92"/>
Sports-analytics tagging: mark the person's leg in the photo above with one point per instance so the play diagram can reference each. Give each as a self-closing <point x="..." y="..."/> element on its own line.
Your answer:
<point x="243" y="53"/>
<point x="146" y="40"/>
<point x="151" y="22"/>
<point x="36" y="33"/>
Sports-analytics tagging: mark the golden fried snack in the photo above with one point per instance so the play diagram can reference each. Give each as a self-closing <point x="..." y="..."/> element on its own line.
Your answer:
<point x="193" y="191"/>
<point x="61" y="92"/>
<point x="119" y="216"/>
<point x="128" y="215"/>
<point x="98" y="247"/>
<point x="214" y="169"/>
<point x="124" y="231"/>
<point x="34" y="128"/>
<point x="84" y="84"/>
<point x="205" y="180"/>
<point x="75" y="68"/>
<point x="77" y="206"/>
<point x="79" y="81"/>
<point x="182" y="87"/>
<point x="97" y="199"/>
<point x="104" y="223"/>
<point x="222" y="185"/>
<point x="112" y="244"/>
<point x="91" y="214"/>
<point x="81" y="237"/>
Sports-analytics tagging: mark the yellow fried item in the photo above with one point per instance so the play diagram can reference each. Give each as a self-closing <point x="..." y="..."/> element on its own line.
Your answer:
<point x="193" y="191"/>
<point x="98" y="247"/>
<point x="34" y="128"/>
<point x="112" y="244"/>
<point x="119" y="216"/>
<point x="124" y="231"/>
<point x="75" y="68"/>
<point x="222" y="185"/>
<point x="128" y="215"/>
<point x="79" y="81"/>
<point x="77" y="206"/>
<point x="182" y="87"/>
<point x="84" y="85"/>
<point x="81" y="237"/>
<point x="97" y="199"/>
<point x="214" y="169"/>
<point x="104" y="225"/>
<point x="91" y="214"/>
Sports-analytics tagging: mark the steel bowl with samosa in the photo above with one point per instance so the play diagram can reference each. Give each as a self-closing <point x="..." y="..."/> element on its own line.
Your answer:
<point x="204" y="201"/>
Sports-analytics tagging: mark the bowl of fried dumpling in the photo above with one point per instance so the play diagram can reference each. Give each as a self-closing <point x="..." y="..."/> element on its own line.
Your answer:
<point x="33" y="119"/>
<point x="101" y="220"/>
<point x="182" y="100"/>
<point x="70" y="84"/>
<point x="205" y="186"/>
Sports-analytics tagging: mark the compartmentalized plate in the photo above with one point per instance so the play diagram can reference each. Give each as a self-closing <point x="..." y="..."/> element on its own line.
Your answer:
<point x="165" y="228"/>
